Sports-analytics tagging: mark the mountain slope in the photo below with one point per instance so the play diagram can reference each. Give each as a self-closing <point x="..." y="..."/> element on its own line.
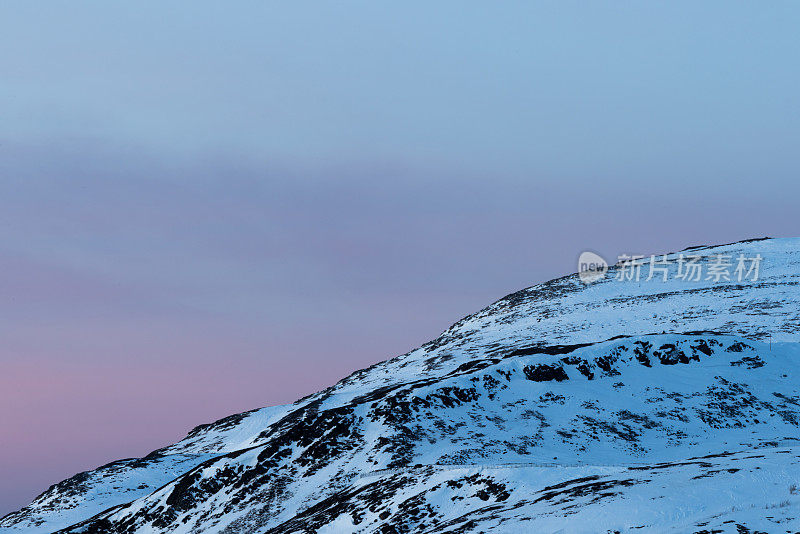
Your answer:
<point x="515" y="418"/>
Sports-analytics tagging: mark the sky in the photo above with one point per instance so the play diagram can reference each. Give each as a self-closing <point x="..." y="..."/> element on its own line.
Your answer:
<point x="210" y="207"/>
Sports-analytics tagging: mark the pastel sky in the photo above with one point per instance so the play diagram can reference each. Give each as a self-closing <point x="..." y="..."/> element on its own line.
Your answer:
<point x="209" y="207"/>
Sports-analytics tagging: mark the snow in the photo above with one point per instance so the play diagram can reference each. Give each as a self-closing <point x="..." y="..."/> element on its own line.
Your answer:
<point x="620" y="405"/>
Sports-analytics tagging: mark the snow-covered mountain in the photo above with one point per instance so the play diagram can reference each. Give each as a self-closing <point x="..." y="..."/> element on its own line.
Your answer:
<point x="623" y="405"/>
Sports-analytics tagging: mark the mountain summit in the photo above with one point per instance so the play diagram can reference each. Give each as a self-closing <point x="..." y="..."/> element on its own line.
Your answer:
<point x="668" y="404"/>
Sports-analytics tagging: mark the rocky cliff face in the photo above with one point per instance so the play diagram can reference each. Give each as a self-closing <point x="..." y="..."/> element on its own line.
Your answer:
<point x="657" y="405"/>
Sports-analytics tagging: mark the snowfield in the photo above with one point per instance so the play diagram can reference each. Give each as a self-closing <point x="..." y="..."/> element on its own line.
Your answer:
<point x="619" y="406"/>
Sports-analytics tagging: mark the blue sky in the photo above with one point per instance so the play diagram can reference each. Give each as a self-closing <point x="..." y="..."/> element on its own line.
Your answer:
<point x="207" y="207"/>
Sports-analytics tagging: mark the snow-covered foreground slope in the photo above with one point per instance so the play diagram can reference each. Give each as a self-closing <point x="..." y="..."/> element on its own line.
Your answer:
<point x="668" y="406"/>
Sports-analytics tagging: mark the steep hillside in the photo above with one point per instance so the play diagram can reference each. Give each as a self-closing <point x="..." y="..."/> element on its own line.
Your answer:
<point x="664" y="405"/>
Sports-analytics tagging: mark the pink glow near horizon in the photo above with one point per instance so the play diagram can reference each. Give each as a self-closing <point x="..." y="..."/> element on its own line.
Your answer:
<point x="209" y="210"/>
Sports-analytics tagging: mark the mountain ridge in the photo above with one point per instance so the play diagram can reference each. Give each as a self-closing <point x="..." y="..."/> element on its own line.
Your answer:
<point x="332" y="439"/>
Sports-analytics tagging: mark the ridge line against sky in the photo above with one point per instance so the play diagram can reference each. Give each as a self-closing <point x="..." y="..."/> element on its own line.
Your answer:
<point x="208" y="210"/>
